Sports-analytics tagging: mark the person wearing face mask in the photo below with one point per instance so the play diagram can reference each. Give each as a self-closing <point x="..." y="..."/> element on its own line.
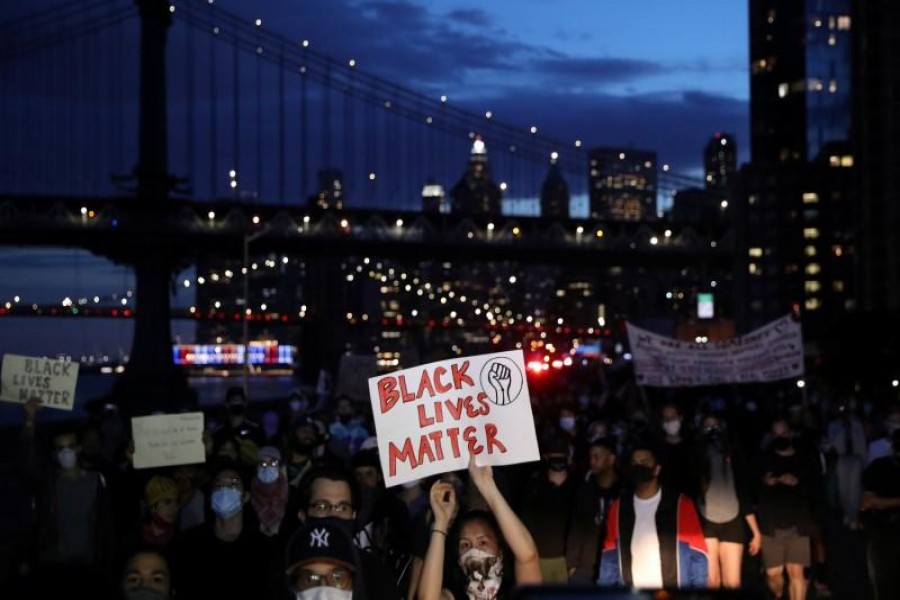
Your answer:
<point x="724" y="504"/>
<point x="72" y="508"/>
<point x="590" y="509"/>
<point x="146" y="576"/>
<point x="547" y="506"/>
<point x="330" y="496"/>
<point x="784" y="507"/>
<point x="269" y="492"/>
<point x="492" y="550"/>
<point x="226" y="558"/>
<point x="675" y="451"/>
<point x="571" y="428"/>
<point x="880" y="507"/>
<point x="237" y="426"/>
<point x="653" y="536"/>
<point x="322" y="564"/>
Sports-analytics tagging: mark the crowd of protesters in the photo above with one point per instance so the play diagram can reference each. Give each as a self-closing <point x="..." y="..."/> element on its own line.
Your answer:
<point x="706" y="488"/>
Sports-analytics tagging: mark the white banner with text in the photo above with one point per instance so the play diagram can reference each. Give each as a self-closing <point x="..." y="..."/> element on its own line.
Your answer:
<point x="770" y="353"/>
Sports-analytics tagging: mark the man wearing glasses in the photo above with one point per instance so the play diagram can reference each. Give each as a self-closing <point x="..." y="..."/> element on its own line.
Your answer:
<point x="322" y="563"/>
<point x="330" y="497"/>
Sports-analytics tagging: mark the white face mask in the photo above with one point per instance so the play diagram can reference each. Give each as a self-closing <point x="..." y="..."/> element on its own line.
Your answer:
<point x="324" y="592"/>
<point x="484" y="571"/>
<point x="67" y="458"/>
<point x="672" y="427"/>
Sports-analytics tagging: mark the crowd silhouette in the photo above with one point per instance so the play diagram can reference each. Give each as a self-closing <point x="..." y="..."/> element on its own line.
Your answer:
<point x="743" y="489"/>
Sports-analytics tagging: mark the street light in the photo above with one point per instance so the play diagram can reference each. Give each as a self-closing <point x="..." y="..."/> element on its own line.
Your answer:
<point x="249" y="237"/>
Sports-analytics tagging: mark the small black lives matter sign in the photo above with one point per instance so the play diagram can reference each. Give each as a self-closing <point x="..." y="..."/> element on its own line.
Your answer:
<point x="50" y="380"/>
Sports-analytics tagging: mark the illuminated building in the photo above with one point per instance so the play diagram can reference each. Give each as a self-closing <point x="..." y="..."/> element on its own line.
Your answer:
<point x="476" y="193"/>
<point x="796" y="208"/>
<point x="555" y="193"/>
<point x="622" y="184"/>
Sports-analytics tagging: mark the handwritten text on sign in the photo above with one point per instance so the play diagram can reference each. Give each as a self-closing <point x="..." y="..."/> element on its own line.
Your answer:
<point x="770" y="353"/>
<point x="163" y="440"/>
<point x="430" y="418"/>
<point x="51" y="380"/>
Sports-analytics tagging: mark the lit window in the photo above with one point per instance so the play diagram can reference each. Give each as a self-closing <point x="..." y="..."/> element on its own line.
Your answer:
<point x="813" y="269"/>
<point x="809" y="250"/>
<point x="753" y="269"/>
<point x="813" y="304"/>
<point x="810" y="198"/>
<point x="810" y="233"/>
<point x="812" y="286"/>
<point x="847" y="160"/>
<point x="843" y="23"/>
<point x="782" y="90"/>
<point x="832" y="86"/>
<point x="755" y="252"/>
<point x="834" y="161"/>
<point x="837" y="286"/>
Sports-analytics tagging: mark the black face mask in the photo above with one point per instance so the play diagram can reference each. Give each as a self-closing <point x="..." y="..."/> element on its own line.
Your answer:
<point x="557" y="464"/>
<point x="236" y="410"/>
<point x="344" y="525"/>
<point x="641" y="474"/>
<point x="713" y="435"/>
<point x="303" y="448"/>
<point x="780" y="444"/>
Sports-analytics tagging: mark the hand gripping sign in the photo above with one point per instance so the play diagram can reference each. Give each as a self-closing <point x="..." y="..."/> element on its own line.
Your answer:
<point x="430" y="418"/>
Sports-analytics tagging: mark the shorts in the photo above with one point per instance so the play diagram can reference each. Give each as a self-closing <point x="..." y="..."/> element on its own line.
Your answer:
<point x="730" y="531"/>
<point x="785" y="546"/>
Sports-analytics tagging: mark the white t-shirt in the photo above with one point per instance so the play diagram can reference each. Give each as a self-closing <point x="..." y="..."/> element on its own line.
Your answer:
<point x="646" y="566"/>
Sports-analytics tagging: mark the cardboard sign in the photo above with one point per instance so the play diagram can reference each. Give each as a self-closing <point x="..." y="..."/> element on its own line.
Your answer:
<point x="165" y="440"/>
<point x="51" y="380"/>
<point x="430" y="418"/>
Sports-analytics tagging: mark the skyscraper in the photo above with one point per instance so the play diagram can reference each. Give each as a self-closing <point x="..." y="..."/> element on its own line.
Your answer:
<point x="555" y="193"/>
<point x="877" y="147"/>
<point x="476" y="193"/>
<point x="720" y="162"/>
<point x="623" y="184"/>
<point x="797" y="208"/>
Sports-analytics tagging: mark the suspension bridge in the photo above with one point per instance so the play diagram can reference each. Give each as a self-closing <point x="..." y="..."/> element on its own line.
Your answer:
<point x="157" y="134"/>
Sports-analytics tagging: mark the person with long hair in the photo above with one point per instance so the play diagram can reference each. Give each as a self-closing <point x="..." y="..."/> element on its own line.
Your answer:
<point x="482" y="544"/>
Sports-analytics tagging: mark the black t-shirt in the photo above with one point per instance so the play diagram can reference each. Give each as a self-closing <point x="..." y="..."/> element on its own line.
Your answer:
<point x="203" y="566"/>
<point x="782" y="506"/>
<point x="882" y="477"/>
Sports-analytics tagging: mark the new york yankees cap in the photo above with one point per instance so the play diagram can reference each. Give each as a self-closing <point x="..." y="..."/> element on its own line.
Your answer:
<point x="319" y="542"/>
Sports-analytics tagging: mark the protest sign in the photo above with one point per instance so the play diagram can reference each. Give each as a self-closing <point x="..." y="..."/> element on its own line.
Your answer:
<point x="51" y="380"/>
<point x="430" y="418"/>
<point x="770" y="353"/>
<point x="165" y="440"/>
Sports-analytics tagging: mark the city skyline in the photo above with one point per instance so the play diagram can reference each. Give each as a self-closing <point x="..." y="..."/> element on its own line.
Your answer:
<point x="640" y="78"/>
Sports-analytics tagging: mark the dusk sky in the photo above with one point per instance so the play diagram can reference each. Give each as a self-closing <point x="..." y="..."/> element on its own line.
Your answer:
<point x="651" y="74"/>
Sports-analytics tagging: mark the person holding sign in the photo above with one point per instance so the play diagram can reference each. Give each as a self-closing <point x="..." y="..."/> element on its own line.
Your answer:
<point x="494" y="550"/>
<point x="72" y="504"/>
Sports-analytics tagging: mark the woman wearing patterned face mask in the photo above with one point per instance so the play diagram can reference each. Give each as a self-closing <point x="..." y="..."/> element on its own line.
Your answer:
<point x="494" y="550"/>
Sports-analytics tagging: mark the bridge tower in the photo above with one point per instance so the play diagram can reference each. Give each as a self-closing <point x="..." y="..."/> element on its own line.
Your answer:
<point x="151" y="381"/>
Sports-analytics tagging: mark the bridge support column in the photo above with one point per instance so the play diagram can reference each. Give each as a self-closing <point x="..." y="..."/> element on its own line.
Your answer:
<point x="152" y="381"/>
